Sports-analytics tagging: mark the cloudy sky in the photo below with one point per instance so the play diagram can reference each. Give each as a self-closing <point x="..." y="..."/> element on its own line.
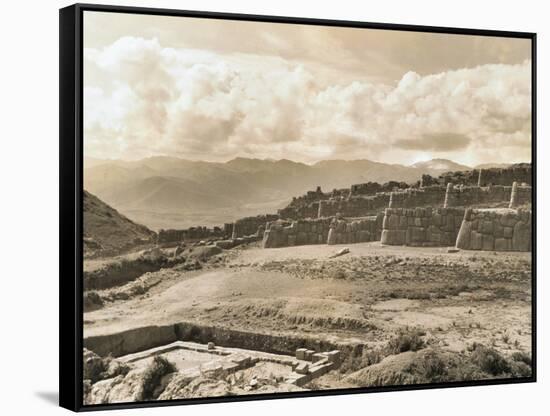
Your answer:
<point x="217" y="89"/>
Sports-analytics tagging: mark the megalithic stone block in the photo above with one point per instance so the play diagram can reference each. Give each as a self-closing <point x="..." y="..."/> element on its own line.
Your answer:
<point x="393" y="237"/>
<point x="463" y="238"/>
<point x="302" y="368"/>
<point x="514" y="196"/>
<point x="301" y="353"/>
<point x="487" y="242"/>
<point x="448" y="195"/>
<point x="331" y="236"/>
<point x="502" y="244"/>
<point x="318" y="357"/>
<point x="475" y="240"/>
<point x="521" y="238"/>
<point x="267" y="241"/>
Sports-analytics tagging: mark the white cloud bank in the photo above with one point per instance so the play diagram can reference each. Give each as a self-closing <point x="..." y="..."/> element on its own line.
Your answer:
<point x="143" y="99"/>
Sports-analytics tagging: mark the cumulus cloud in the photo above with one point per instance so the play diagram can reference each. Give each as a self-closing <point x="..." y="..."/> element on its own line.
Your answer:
<point x="338" y="54"/>
<point x="142" y="98"/>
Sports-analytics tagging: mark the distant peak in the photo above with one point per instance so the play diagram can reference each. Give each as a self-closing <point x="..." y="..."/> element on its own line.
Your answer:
<point x="440" y="164"/>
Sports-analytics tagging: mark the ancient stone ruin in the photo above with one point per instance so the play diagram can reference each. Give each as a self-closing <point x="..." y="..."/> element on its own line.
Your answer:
<point x="189" y="234"/>
<point x="425" y="227"/>
<point x="271" y="342"/>
<point x="495" y="229"/>
<point x="432" y="212"/>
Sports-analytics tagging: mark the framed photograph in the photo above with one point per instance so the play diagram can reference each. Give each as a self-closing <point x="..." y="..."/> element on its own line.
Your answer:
<point x="259" y="207"/>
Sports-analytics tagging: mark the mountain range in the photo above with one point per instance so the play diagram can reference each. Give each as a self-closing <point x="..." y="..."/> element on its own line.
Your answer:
<point x="168" y="192"/>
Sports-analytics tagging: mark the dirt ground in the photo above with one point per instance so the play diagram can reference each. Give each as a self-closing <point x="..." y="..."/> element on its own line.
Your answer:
<point x="457" y="299"/>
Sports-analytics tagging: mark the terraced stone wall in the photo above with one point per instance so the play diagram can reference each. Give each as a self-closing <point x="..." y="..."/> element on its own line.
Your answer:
<point x="427" y="227"/>
<point x="418" y="197"/>
<point x="296" y="233"/>
<point x="371" y="188"/>
<point x="354" y="206"/>
<point x="520" y="195"/>
<point x="189" y="234"/>
<point x="521" y="173"/>
<point x="495" y="229"/>
<point x="250" y="225"/>
<point x="309" y="210"/>
<point x="358" y="230"/>
<point x="464" y="196"/>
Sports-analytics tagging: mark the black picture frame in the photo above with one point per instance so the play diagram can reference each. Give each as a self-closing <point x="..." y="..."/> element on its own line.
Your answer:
<point x="71" y="197"/>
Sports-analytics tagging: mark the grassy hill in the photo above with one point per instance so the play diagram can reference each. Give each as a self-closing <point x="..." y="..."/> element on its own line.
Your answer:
<point x="108" y="231"/>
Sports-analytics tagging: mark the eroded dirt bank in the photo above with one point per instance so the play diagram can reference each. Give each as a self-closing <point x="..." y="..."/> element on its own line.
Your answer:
<point x="367" y="295"/>
<point x="399" y="315"/>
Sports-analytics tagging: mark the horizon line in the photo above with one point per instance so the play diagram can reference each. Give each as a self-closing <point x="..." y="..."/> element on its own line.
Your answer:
<point x="98" y="159"/>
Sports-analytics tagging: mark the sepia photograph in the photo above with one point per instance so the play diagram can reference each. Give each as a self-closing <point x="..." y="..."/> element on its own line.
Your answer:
<point x="276" y="208"/>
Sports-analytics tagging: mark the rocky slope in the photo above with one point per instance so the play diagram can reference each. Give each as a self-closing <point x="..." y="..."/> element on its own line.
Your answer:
<point x="107" y="231"/>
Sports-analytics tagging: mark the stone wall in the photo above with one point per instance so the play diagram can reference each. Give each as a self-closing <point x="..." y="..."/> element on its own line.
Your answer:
<point x="495" y="229"/>
<point x="250" y="225"/>
<point x="521" y="173"/>
<point x="301" y="206"/>
<point x="418" y="197"/>
<point x="357" y="201"/>
<point x="308" y="197"/>
<point x="371" y="188"/>
<point x="520" y="195"/>
<point x="228" y="229"/>
<point x="309" y="210"/>
<point x="429" y="191"/>
<point x="189" y="234"/>
<point x="466" y="177"/>
<point x="525" y="195"/>
<point x="365" y="205"/>
<point x="354" y="206"/>
<point x="485" y="187"/>
<point x="358" y="230"/>
<point x="463" y="196"/>
<point x="296" y="233"/>
<point x="328" y="230"/>
<point x="421" y="226"/>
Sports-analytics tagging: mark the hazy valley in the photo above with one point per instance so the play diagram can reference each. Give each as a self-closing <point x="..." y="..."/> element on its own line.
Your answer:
<point x="166" y="192"/>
